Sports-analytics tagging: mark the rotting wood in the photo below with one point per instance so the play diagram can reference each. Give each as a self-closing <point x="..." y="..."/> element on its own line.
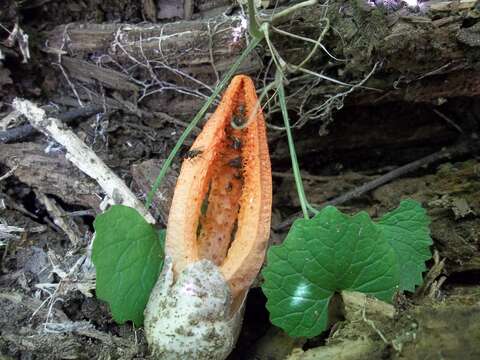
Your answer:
<point x="62" y="340"/>
<point x="424" y="55"/>
<point x="454" y="184"/>
<point x="345" y="350"/>
<point x="432" y="89"/>
<point x="181" y="44"/>
<point x="83" y="157"/>
<point x="91" y="73"/>
<point x="9" y="120"/>
<point x="9" y="232"/>
<point x="174" y="9"/>
<point x="356" y="301"/>
<point x="23" y="131"/>
<point x="354" y="137"/>
<point x="205" y="5"/>
<point x="50" y="173"/>
<point x="151" y="118"/>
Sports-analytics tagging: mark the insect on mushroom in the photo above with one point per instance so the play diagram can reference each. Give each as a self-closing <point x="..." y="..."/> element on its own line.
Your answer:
<point x="236" y="143"/>
<point x="236" y="162"/>
<point x="192" y="153"/>
<point x="239" y="118"/>
<point x="213" y="255"/>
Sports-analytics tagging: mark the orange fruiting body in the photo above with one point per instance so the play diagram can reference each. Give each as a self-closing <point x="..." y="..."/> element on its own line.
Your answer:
<point x="221" y="208"/>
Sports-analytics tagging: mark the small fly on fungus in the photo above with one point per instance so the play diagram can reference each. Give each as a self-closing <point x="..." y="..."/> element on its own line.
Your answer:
<point x="238" y="119"/>
<point x="192" y="153"/>
<point x="236" y="163"/>
<point x="236" y="143"/>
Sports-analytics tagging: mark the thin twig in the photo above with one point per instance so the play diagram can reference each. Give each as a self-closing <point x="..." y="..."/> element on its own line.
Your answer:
<point x="316" y="43"/>
<point x="78" y="213"/>
<point x="69" y="227"/>
<point x="8" y="173"/>
<point x="335" y="81"/>
<point x="333" y="101"/>
<point x="350" y="176"/>
<point x="449" y="121"/>
<point x="66" y="38"/>
<point x="430" y="279"/>
<point x="372" y="324"/>
<point x="460" y="149"/>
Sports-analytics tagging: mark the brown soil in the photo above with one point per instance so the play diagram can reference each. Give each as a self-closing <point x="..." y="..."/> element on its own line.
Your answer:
<point x="47" y="297"/>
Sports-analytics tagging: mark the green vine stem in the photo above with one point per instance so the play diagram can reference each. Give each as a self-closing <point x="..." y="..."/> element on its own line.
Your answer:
<point x="291" y="10"/>
<point x="291" y="146"/>
<point x="253" y="27"/>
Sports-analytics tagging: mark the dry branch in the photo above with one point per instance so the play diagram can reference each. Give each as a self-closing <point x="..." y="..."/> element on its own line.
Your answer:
<point x="23" y="131"/>
<point x="82" y="156"/>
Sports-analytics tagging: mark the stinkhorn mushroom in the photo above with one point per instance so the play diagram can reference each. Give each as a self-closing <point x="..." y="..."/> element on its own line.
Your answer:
<point x="217" y="233"/>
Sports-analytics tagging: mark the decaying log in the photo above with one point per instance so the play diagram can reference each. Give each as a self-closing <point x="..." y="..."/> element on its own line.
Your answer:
<point x="23" y="131"/>
<point x="183" y="45"/>
<point x="90" y="73"/>
<point x="352" y="138"/>
<point x="83" y="157"/>
<point x="50" y="173"/>
<point x="434" y="89"/>
<point x="422" y="54"/>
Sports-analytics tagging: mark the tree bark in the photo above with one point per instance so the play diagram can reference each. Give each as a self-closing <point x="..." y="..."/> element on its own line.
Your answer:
<point x="421" y="55"/>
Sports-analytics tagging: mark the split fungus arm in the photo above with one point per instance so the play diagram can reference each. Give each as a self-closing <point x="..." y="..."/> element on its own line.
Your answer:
<point x="221" y="207"/>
